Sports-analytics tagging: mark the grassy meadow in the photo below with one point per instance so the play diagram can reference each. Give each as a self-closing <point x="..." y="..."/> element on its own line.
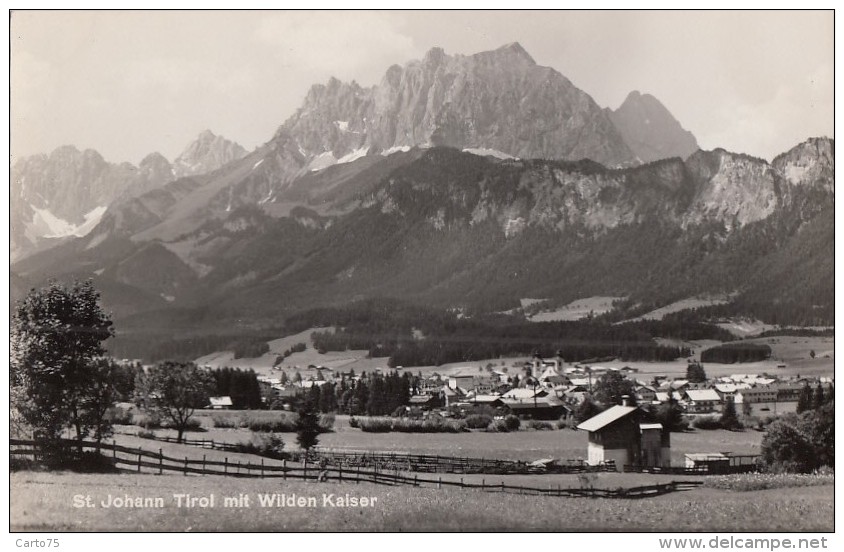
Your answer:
<point x="524" y="444"/>
<point x="44" y="502"/>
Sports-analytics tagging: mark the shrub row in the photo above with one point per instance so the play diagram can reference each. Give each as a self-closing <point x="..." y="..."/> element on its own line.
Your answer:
<point x="407" y="425"/>
<point x="273" y="423"/>
<point x="760" y="481"/>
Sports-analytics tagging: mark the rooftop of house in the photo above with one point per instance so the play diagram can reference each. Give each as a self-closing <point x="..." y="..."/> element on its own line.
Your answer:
<point x="607" y="417"/>
<point x="703" y="395"/>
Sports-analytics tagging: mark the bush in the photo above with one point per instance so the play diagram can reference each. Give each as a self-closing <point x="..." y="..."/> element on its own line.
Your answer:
<point x="144" y="434"/>
<point x="478" y="421"/>
<point x="760" y="481"/>
<point x="226" y="422"/>
<point x="706" y="422"/>
<point x="269" y="445"/>
<point x="433" y="424"/>
<point x="539" y="425"/>
<point x="119" y="415"/>
<point x="266" y="422"/>
<point x="326" y="423"/>
<point x="500" y="426"/>
<point x="801" y="442"/>
<point x="512" y="422"/>
<point x="194" y="424"/>
<point x="353" y="422"/>
<point x="150" y="420"/>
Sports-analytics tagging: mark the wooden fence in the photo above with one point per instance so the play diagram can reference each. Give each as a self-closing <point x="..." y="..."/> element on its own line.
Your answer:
<point x="421" y="463"/>
<point x="138" y="460"/>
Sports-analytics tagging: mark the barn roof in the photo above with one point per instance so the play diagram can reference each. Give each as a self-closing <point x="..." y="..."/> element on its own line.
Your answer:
<point x="220" y="401"/>
<point x="606" y="418"/>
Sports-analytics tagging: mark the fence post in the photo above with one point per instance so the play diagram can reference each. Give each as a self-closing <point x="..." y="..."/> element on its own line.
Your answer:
<point x="186" y="465"/>
<point x="415" y="480"/>
<point x="226" y="465"/>
<point x="439" y="482"/>
<point x="212" y="444"/>
<point x="483" y="484"/>
<point x="160" y="462"/>
<point x="262" y="467"/>
<point x="284" y="468"/>
<point x="461" y="482"/>
<point x="139" y="459"/>
<point x="305" y="467"/>
<point x="502" y="486"/>
<point x="238" y="467"/>
<point x="203" y="463"/>
<point x="375" y="480"/>
<point x="341" y="473"/>
<point x="114" y="452"/>
<point x="357" y="480"/>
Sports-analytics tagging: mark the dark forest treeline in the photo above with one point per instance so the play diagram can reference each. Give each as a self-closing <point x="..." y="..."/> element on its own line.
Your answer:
<point x="730" y="353"/>
<point x="156" y="348"/>
<point x="416" y="336"/>
<point x="240" y="385"/>
<point x="372" y="394"/>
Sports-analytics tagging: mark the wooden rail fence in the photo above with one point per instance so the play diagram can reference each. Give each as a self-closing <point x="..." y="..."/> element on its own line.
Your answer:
<point x="140" y="460"/>
<point x="422" y="463"/>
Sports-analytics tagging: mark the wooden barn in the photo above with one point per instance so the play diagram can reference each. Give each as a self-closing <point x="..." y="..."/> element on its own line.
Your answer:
<point x="627" y="436"/>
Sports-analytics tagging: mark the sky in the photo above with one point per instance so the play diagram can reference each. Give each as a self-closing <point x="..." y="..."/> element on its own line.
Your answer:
<point x="130" y="83"/>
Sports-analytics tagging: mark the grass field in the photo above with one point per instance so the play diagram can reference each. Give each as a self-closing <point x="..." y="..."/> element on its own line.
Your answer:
<point x="519" y="445"/>
<point x="575" y="310"/>
<point x="44" y="502"/>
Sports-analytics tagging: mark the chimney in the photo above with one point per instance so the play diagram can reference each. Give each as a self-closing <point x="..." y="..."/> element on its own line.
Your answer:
<point x="625" y="400"/>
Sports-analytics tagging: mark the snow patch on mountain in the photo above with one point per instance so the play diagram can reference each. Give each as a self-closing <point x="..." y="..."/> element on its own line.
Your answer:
<point x="485" y="152"/>
<point x="395" y="149"/>
<point x="322" y="161"/>
<point x="353" y="155"/>
<point x="48" y="225"/>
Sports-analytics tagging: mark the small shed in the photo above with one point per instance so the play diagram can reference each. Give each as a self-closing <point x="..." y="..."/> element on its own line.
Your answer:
<point x="716" y="462"/>
<point x="627" y="436"/>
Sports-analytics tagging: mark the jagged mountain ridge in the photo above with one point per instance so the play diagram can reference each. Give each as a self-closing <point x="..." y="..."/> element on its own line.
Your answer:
<point x="67" y="192"/>
<point x="497" y="100"/>
<point x="451" y="228"/>
<point x="650" y="130"/>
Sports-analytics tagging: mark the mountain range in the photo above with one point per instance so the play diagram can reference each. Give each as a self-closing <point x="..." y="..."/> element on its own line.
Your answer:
<point x="65" y="194"/>
<point x="458" y="181"/>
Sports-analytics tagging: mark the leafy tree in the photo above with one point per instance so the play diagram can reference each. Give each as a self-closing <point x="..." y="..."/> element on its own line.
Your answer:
<point x="586" y="409"/>
<point x="801" y="442"/>
<point x="804" y="399"/>
<point x="729" y="418"/>
<point x="307" y="425"/>
<point x="818" y="400"/>
<point x="611" y="387"/>
<point x="695" y="373"/>
<point x="56" y="336"/>
<point x="100" y="394"/>
<point x="670" y="415"/>
<point x="180" y="388"/>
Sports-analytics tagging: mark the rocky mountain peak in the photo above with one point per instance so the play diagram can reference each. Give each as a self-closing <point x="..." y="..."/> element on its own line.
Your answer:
<point x="498" y="100"/>
<point x="514" y="51"/>
<point x="651" y="130"/>
<point x="811" y="163"/>
<point x="208" y="152"/>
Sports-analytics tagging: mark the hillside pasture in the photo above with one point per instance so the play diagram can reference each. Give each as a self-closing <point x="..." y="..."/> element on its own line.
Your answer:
<point x="576" y="310"/>
<point x="44" y="502"/>
<point x="681" y="305"/>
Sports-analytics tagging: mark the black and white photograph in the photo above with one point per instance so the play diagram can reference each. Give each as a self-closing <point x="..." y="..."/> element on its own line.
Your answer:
<point x="381" y="271"/>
